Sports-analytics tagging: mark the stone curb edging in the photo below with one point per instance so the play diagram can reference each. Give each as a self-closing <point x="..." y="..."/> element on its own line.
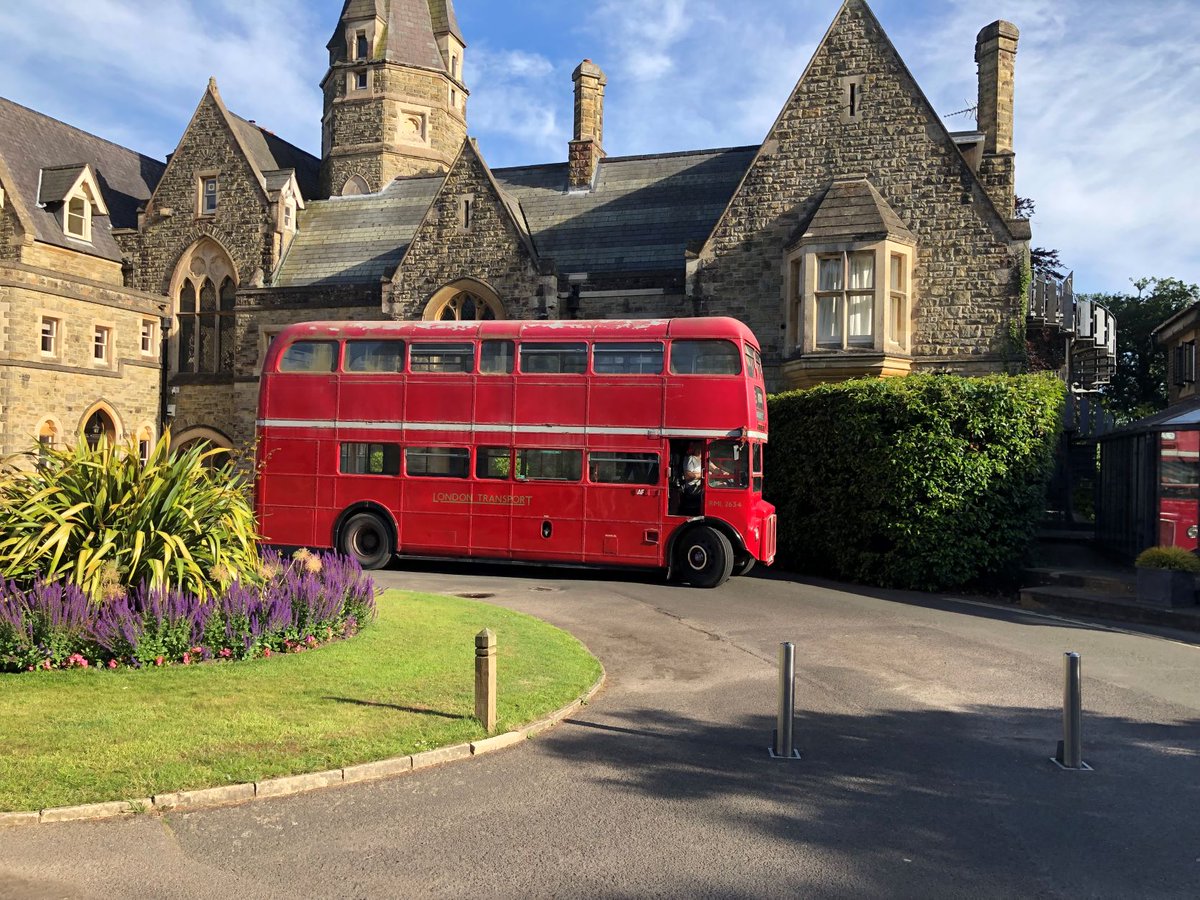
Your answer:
<point x="297" y="784"/>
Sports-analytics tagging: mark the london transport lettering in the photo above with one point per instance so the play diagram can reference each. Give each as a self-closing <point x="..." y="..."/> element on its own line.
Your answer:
<point x="485" y="499"/>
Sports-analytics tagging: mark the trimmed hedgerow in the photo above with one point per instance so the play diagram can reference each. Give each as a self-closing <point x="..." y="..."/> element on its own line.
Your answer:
<point x="928" y="482"/>
<point x="300" y="604"/>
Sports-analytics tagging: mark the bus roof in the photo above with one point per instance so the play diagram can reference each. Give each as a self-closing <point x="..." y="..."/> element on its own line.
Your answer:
<point x="556" y="329"/>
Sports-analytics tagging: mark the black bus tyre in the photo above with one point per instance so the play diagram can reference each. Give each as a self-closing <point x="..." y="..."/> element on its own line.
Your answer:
<point x="705" y="557"/>
<point x="368" y="539"/>
<point x="744" y="565"/>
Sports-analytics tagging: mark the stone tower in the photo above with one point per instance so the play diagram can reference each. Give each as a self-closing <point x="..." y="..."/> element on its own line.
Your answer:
<point x="395" y="102"/>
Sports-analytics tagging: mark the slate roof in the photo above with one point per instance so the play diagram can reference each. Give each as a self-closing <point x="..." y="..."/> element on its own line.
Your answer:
<point x="444" y="19"/>
<point x="31" y="142"/>
<point x="359" y="239"/>
<point x="641" y="217"/>
<point x="853" y="210"/>
<point x="57" y="181"/>
<point x="409" y="36"/>
<point x="271" y="154"/>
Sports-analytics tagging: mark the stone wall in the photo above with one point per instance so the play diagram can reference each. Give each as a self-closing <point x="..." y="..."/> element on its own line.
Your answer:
<point x="68" y="386"/>
<point x="490" y="250"/>
<point x="966" y="272"/>
<point x="10" y="240"/>
<point x="370" y="135"/>
<point x="73" y="263"/>
<point x="228" y="404"/>
<point x="243" y="223"/>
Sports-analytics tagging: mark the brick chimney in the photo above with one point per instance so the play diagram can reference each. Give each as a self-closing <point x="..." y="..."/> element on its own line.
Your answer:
<point x="587" y="148"/>
<point x="996" y="55"/>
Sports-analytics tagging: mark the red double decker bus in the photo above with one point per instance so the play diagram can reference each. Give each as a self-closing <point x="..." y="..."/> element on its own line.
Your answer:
<point x="613" y="442"/>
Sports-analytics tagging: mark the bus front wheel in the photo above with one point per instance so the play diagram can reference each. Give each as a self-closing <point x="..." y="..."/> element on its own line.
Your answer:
<point x="366" y="538"/>
<point x="705" y="557"/>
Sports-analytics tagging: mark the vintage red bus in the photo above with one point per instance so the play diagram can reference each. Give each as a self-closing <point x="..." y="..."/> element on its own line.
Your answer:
<point x="541" y="441"/>
<point x="1179" y="489"/>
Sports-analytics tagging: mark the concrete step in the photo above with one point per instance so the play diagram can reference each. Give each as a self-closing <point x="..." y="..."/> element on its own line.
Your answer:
<point x="1084" y="601"/>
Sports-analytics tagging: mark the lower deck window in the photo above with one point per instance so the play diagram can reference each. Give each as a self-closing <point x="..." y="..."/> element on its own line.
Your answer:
<point x="493" y="462"/>
<point x="728" y="465"/>
<point x="623" y="468"/>
<point x="370" y="459"/>
<point x="438" y="462"/>
<point x="549" y="465"/>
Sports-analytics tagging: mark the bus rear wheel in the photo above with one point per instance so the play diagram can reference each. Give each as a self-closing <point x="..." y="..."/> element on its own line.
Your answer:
<point x="366" y="538"/>
<point x="705" y="557"/>
<point x="744" y="565"/>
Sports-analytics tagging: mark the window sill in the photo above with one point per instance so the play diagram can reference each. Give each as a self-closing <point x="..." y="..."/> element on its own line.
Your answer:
<point x="818" y="367"/>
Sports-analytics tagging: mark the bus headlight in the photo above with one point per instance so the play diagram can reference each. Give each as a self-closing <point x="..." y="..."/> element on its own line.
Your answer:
<point x="1193" y="531"/>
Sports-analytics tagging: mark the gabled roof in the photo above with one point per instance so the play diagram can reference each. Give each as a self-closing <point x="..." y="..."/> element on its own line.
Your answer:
<point x="408" y="37"/>
<point x="641" y="217"/>
<point x="270" y="153"/>
<point x="31" y="142"/>
<point x="936" y="128"/>
<point x="852" y="210"/>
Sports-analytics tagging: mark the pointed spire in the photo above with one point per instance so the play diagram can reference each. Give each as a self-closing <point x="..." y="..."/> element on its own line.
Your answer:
<point x="444" y="19"/>
<point x="398" y="31"/>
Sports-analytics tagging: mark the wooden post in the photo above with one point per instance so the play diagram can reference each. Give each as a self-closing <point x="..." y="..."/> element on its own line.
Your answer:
<point x="485" y="679"/>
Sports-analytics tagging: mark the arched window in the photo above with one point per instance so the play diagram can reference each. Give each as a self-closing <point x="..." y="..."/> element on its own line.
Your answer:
<point x="209" y="439"/>
<point x="464" y="301"/>
<point x="206" y="287"/>
<point x="355" y="185"/>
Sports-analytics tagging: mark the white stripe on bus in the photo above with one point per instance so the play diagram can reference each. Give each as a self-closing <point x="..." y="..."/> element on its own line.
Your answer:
<point x="324" y="425"/>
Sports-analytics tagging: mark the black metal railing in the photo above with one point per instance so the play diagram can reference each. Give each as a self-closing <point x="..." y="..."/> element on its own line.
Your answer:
<point x="1090" y="328"/>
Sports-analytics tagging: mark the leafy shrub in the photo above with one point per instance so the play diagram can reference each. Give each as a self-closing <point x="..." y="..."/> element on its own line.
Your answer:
<point x="99" y="518"/>
<point x="306" y="602"/>
<point x="924" y="482"/>
<point x="1168" y="558"/>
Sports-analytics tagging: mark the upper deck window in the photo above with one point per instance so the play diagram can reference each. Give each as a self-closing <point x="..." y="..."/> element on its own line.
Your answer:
<point x="705" y="358"/>
<point x="627" y="359"/>
<point x="557" y="359"/>
<point x="753" y="363"/>
<point x="374" y="356"/>
<point x="309" y="356"/>
<point x="442" y="358"/>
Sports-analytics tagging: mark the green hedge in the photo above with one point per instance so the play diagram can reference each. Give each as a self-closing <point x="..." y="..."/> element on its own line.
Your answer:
<point x="927" y="482"/>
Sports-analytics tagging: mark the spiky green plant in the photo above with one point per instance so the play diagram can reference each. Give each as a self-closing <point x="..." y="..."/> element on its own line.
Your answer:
<point x="100" y="518"/>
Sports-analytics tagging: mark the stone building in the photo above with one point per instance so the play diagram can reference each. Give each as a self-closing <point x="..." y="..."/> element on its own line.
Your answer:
<point x="860" y="238"/>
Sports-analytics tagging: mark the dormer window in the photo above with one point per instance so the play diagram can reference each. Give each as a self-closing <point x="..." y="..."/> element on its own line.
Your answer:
<point x="360" y="45"/>
<point x="209" y="194"/>
<point x="79" y="218"/>
<point x="71" y="192"/>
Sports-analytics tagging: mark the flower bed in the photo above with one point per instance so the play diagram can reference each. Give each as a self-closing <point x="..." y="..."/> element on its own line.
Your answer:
<point x="300" y="604"/>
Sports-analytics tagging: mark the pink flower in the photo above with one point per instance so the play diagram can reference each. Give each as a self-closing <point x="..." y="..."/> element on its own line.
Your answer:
<point x="158" y="660"/>
<point x="112" y="663"/>
<point x="187" y="659"/>
<point x="226" y="653"/>
<point x="46" y="665"/>
<point x="267" y="652"/>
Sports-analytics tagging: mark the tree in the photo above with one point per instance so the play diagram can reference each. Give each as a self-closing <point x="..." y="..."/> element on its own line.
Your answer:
<point x="1139" y="385"/>
<point x="1042" y="260"/>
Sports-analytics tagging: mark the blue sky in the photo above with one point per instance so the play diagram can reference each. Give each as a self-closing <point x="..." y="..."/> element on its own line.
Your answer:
<point x="1107" y="129"/>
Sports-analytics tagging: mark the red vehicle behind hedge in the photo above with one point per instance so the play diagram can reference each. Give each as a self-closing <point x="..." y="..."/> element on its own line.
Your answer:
<point x="559" y="442"/>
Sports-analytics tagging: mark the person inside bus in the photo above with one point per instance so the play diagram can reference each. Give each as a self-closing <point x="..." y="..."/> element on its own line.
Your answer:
<point x="691" y="485"/>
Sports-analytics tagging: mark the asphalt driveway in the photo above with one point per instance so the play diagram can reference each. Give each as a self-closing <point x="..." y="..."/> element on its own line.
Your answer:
<point x="926" y="726"/>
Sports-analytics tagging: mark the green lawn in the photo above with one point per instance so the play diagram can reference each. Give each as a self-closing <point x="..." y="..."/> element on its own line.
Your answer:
<point x="403" y="685"/>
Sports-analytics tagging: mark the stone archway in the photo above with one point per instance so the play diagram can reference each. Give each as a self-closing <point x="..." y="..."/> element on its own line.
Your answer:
<point x="465" y="300"/>
<point x="100" y="423"/>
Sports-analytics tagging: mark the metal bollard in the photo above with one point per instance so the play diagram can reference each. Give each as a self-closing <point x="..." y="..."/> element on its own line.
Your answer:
<point x="1070" y="748"/>
<point x="782" y="744"/>
<point x="485" y="679"/>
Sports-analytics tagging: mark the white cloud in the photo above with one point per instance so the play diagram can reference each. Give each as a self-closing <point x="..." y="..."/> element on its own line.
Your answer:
<point x="519" y="96"/>
<point x="162" y="59"/>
